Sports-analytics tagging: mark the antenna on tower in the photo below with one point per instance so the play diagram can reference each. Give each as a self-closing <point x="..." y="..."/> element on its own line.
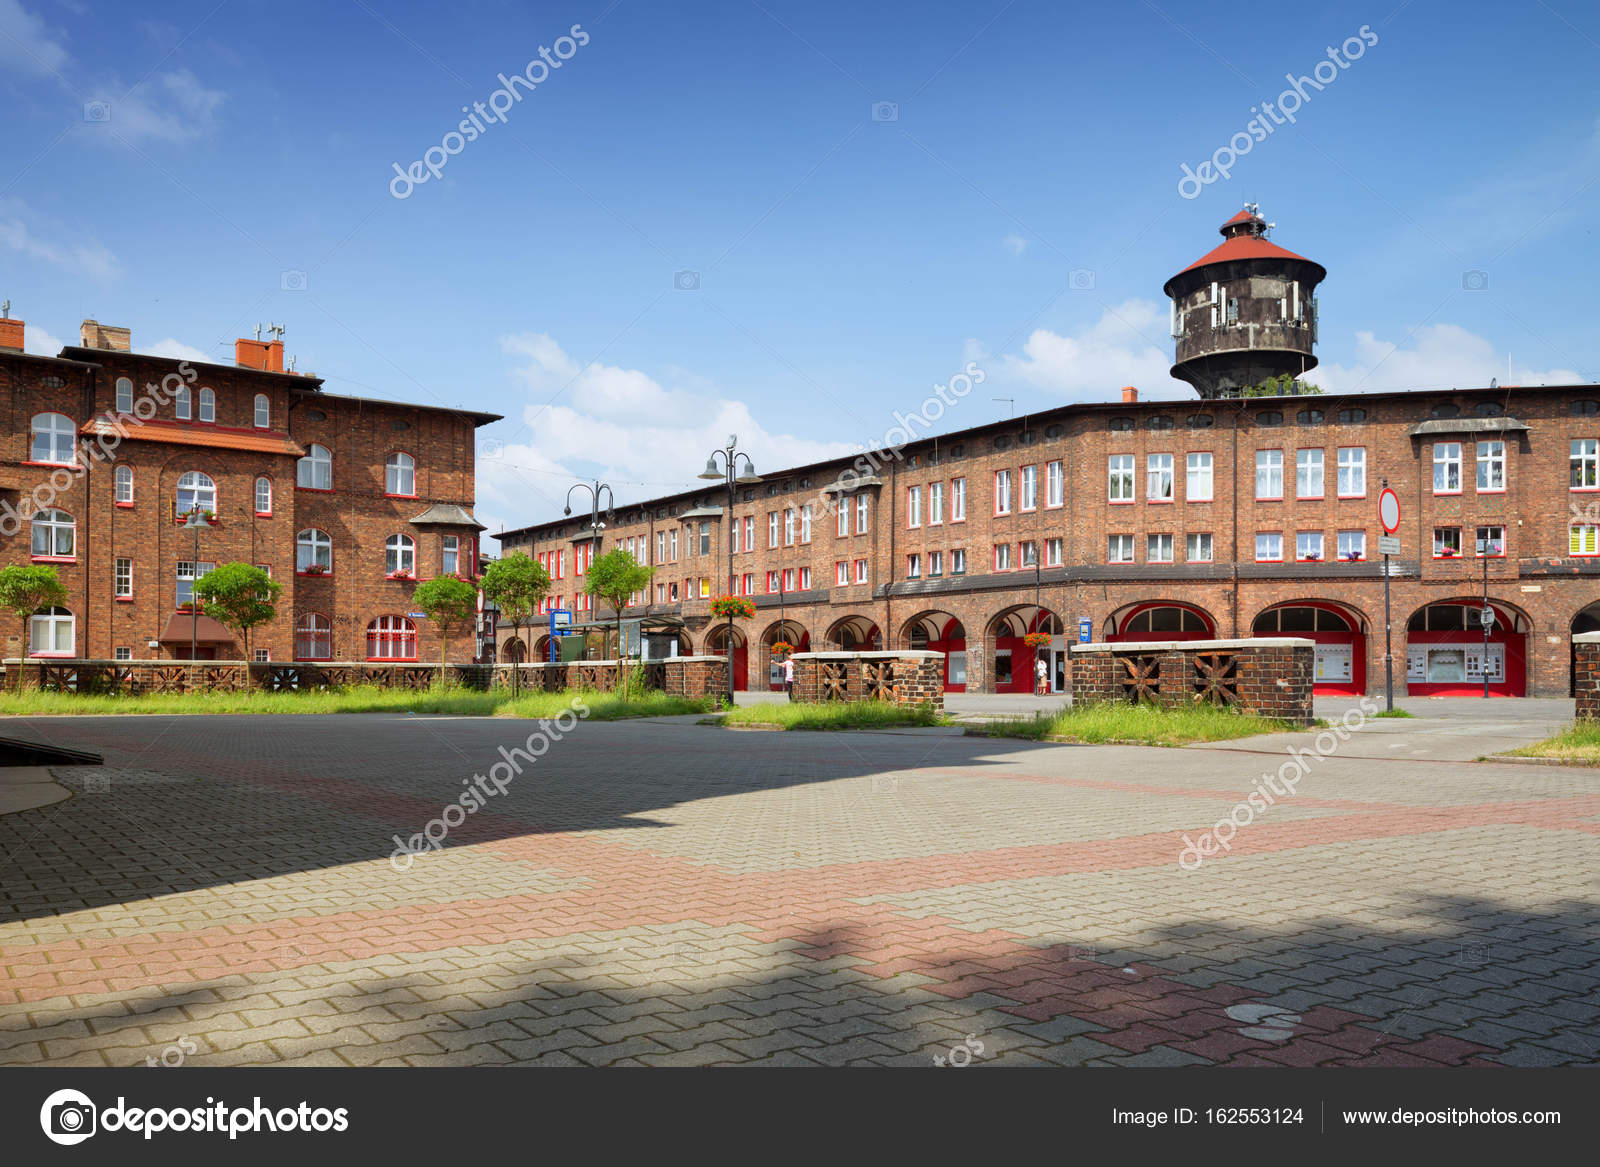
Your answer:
<point x="258" y="332"/>
<point x="276" y="331"/>
<point x="291" y="364"/>
<point x="5" y="309"/>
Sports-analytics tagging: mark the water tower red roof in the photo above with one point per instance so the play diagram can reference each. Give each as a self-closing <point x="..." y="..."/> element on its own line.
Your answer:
<point x="1245" y="247"/>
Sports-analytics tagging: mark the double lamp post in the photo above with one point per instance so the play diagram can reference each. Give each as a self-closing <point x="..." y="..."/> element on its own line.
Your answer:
<point x="729" y="473"/>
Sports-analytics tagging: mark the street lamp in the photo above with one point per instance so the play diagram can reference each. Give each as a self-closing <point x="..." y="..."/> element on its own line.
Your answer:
<point x="194" y="520"/>
<point x="595" y="527"/>
<point x="1486" y="617"/>
<point x="729" y="473"/>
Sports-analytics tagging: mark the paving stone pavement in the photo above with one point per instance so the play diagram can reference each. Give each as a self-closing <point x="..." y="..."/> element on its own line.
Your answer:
<point x="660" y="893"/>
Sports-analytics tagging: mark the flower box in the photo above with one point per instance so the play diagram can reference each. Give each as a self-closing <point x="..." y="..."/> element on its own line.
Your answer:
<point x="737" y="607"/>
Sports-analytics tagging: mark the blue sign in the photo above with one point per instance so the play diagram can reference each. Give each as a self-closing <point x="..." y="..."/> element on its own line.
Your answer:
<point x="1085" y="630"/>
<point x="560" y="625"/>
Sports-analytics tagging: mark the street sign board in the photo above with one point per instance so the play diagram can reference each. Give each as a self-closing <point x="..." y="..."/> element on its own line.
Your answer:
<point x="560" y="622"/>
<point x="1388" y="545"/>
<point x="417" y="615"/>
<point x="1389" y="510"/>
<point x="1085" y="630"/>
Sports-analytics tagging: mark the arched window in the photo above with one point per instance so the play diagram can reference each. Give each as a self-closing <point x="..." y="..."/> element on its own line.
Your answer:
<point x="196" y="491"/>
<point x="52" y="439"/>
<point x="125" y="486"/>
<point x="400" y="475"/>
<point x="263" y="411"/>
<point x="391" y="638"/>
<point x="208" y="405"/>
<point x="124" y="395"/>
<point x="54" y="534"/>
<point x="313" y="552"/>
<point x="51" y="633"/>
<point x="315" y="470"/>
<point x="313" y="637"/>
<point x="263" y="496"/>
<point x="180" y="402"/>
<point x="400" y="555"/>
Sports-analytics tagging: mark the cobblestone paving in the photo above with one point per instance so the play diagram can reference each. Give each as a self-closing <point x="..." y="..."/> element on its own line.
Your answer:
<point x="666" y="894"/>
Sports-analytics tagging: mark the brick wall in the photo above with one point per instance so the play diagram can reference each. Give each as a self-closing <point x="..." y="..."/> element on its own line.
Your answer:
<point x="1586" y="679"/>
<point x="1267" y="676"/>
<point x="357" y="514"/>
<point x="904" y="678"/>
<point x="1536" y="580"/>
<point x="167" y="676"/>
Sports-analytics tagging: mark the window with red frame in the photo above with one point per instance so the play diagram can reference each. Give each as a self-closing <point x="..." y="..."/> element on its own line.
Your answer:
<point x="391" y="638"/>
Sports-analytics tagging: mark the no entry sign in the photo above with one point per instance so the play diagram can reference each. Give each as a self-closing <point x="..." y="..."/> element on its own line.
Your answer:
<point x="1389" y="510"/>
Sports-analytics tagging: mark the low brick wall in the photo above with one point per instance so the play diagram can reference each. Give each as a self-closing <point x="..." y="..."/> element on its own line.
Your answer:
<point x="1586" y="675"/>
<point x="907" y="677"/>
<point x="1264" y="675"/>
<point x="218" y="676"/>
<point x="682" y="676"/>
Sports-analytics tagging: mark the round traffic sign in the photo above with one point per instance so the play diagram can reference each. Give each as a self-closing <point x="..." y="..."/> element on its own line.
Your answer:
<point x="1389" y="510"/>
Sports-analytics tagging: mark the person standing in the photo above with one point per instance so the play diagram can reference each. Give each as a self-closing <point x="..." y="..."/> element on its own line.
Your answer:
<point x="1042" y="673"/>
<point x="788" y="676"/>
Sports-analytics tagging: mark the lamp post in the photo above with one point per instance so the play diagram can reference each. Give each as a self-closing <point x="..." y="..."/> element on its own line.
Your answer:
<point x="1037" y="612"/>
<point x="194" y="520"/>
<point x="730" y="474"/>
<point x="595" y="527"/>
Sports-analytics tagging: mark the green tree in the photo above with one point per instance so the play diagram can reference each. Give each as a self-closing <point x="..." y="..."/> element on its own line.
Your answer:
<point x="1280" y="386"/>
<point x="450" y="603"/>
<point x="516" y="584"/>
<point x="614" y="577"/>
<point x="28" y="591"/>
<point x="241" y="596"/>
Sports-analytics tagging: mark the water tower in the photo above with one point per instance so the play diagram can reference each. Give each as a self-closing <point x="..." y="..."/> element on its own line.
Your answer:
<point x="1244" y="312"/>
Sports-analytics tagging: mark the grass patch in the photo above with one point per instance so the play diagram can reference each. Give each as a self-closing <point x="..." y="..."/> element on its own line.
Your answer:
<point x="1394" y="713"/>
<point x="1145" y="724"/>
<point x="834" y="715"/>
<point x="1579" y="745"/>
<point x="460" y="702"/>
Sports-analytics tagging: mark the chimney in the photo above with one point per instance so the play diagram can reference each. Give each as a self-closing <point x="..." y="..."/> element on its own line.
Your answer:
<point x="266" y="355"/>
<point x="93" y="334"/>
<point x="10" y="333"/>
<point x="1130" y="395"/>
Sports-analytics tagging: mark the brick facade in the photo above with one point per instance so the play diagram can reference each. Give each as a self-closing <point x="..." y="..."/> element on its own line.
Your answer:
<point x="1269" y="676"/>
<point x="235" y="448"/>
<point x="1586" y="675"/>
<point x="1540" y="590"/>
<point x="902" y="678"/>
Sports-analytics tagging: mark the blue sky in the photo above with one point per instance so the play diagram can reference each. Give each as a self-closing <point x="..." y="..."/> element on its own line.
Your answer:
<point x="846" y="262"/>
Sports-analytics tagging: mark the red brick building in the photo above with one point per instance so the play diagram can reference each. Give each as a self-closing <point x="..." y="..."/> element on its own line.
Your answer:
<point x="1227" y="516"/>
<point x="346" y="501"/>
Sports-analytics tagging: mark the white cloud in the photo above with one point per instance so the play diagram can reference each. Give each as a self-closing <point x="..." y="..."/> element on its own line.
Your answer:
<point x="87" y="258"/>
<point x="1437" y="356"/>
<point x="1015" y="244"/>
<point x="177" y="350"/>
<point x="26" y="45"/>
<point x="174" y="106"/>
<point x="40" y="343"/>
<point x="1128" y="345"/>
<point x="641" y="436"/>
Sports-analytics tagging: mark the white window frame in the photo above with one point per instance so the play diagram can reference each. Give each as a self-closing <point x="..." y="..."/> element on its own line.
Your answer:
<point x="59" y="434"/>
<point x="1269" y="470"/>
<point x="1352" y="472"/>
<point x="863" y="513"/>
<point x="1269" y="546"/>
<point x="59" y="628"/>
<point x="124" y="485"/>
<point x="1309" y="544"/>
<point x="958" y="500"/>
<point x="122" y="578"/>
<point x="1002" y="492"/>
<point x="400" y="475"/>
<point x="450" y="555"/>
<point x="314" y="471"/>
<point x="958" y="561"/>
<point x="263" y="481"/>
<point x="1310" y="480"/>
<point x="262" y="411"/>
<point x="936" y="504"/>
<point x="1119" y="478"/>
<point x="1052" y="552"/>
<point x="1028" y="495"/>
<point x="399" y="555"/>
<point x="1196" y="551"/>
<point x="1199" y="477"/>
<point x="1054" y="484"/>
<point x="1491" y="467"/>
<point x="59" y="531"/>
<point x="1446" y="467"/>
<point x="1583" y="463"/>
<point x="1119" y="548"/>
<point x="313" y="546"/>
<point x="913" y="506"/>
<point x="1158" y="547"/>
<point x="1160" y="483"/>
<point x="124" y="395"/>
<point x="861" y="571"/>
<point x="1352" y="546"/>
<point x="200" y="491"/>
<point x="208" y="406"/>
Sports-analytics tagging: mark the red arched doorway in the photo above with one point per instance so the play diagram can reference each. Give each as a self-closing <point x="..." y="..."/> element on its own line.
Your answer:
<point x="1445" y="650"/>
<point x="1014" y="662"/>
<point x="940" y="632"/>
<point x="1341" y="638"/>
<point x="717" y="645"/>
<point x="771" y="667"/>
<point x="1160" y="620"/>
<point x="855" y="634"/>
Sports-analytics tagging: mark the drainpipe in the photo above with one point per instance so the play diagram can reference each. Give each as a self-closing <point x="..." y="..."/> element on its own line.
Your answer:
<point x="1233" y="556"/>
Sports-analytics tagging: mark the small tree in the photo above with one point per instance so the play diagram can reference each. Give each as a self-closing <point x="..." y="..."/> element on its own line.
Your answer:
<point x="241" y="596"/>
<point x="516" y="584"/>
<point x="28" y="591"/>
<point x="450" y="602"/>
<point x="614" y="577"/>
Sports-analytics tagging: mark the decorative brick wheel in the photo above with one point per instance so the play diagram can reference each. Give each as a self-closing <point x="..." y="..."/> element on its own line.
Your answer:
<point x="879" y="679"/>
<point x="169" y="678"/>
<point x="835" y="682"/>
<point x="1216" y="678"/>
<point x="1141" y="680"/>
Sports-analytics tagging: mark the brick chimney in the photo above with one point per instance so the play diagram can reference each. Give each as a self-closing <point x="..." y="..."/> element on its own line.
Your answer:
<point x="1130" y="395"/>
<point x="10" y="334"/>
<point x="266" y="355"/>
<point x="93" y="334"/>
